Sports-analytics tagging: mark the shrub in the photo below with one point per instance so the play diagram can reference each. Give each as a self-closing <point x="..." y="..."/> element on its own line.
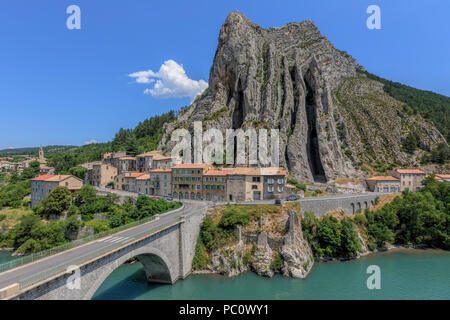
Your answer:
<point x="201" y="258"/>
<point x="98" y="225"/>
<point x="276" y="264"/>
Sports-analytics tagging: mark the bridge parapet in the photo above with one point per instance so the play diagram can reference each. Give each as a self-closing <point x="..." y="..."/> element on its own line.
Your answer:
<point x="349" y="204"/>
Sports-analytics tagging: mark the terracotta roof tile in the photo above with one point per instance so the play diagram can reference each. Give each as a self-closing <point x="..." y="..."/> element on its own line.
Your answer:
<point x="382" y="178"/>
<point x="410" y="171"/>
<point x="143" y="177"/>
<point x="273" y="171"/>
<point x="215" y="173"/>
<point x="191" y="166"/>
<point x="161" y="170"/>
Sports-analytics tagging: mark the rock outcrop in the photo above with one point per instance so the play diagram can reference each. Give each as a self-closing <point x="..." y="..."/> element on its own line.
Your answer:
<point x="263" y="257"/>
<point x="331" y="117"/>
<point x="228" y="261"/>
<point x="297" y="255"/>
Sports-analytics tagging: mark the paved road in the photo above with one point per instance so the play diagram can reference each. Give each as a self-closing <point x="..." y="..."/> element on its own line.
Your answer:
<point x="15" y="275"/>
<point x="319" y="198"/>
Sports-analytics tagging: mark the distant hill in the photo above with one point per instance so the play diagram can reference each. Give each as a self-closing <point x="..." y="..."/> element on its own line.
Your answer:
<point x="34" y="151"/>
<point x="144" y="137"/>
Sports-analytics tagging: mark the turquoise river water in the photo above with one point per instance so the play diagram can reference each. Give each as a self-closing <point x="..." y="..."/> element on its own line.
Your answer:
<point x="405" y="274"/>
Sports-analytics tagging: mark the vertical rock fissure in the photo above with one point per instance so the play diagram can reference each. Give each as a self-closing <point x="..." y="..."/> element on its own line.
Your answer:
<point x="295" y="93"/>
<point x="238" y="114"/>
<point x="312" y="141"/>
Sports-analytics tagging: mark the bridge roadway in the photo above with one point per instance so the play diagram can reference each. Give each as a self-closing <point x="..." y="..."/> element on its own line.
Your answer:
<point x="18" y="274"/>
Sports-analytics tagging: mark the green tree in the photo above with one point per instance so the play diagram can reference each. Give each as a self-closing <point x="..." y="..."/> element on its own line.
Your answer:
<point x="57" y="201"/>
<point x="411" y="142"/>
<point x="31" y="171"/>
<point x="79" y="172"/>
<point x="441" y="153"/>
<point x="350" y="244"/>
<point x="86" y="195"/>
<point x="132" y="147"/>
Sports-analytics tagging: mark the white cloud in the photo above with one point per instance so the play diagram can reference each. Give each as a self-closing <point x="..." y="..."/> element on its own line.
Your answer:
<point x="11" y="148"/>
<point x="92" y="141"/>
<point x="170" y="81"/>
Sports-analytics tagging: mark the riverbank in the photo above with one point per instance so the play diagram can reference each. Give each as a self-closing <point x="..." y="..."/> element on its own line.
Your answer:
<point x="406" y="273"/>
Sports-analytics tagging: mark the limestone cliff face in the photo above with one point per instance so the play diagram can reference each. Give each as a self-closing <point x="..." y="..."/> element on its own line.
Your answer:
<point x="228" y="261"/>
<point x="293" y="79"/>
<point x="297" y="255"/>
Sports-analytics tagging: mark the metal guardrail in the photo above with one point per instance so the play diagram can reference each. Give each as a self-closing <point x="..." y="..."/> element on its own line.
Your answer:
<point x="40" y="276"/>
<point x="72" y="244"/>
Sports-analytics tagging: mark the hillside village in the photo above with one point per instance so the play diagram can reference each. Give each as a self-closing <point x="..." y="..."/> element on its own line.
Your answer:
<point x="154" y="174"/>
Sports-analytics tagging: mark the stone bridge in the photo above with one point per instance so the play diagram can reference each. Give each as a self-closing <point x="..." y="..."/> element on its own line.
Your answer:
<point x="349" y="203"/>
<point x="165" y="254"/>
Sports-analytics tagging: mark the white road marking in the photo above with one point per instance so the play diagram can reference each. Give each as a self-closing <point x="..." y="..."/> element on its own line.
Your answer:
<point x="101" y="240"/>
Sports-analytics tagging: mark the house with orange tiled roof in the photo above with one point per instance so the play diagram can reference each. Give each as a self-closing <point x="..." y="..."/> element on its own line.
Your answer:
<point x="410" y="179"/>
<point x="187" y="180"/>
<point x="143" y="184"/>
<point x="215" y="185"/>
<point x="388" y="184"/>
<point x="161" y="182"/>
<point x="101" y="174"/>
<point x="41" y="186"/>
<point x="130" y="181"/>
<point x="162" y="162"/>
<point x="144" y="161"/>
<point x="274" y="182"/>
<point x="127" y="163"/>
<point x="442" y="177"/>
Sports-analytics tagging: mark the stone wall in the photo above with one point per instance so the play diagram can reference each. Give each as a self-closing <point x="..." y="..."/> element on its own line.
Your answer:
<point x="350" y="204"/>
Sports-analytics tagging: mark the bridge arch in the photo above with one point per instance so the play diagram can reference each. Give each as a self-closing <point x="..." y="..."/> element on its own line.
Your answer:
<point x="156" y="265"/>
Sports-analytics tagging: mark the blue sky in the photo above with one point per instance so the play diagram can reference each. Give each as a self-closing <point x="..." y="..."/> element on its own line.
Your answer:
<point x="61" y="86"/>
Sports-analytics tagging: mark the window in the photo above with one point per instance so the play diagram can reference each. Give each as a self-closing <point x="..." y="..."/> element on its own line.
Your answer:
<point x="256" y="179"/>
<point x="254" y="187"/>
<point x="280" y="181"/>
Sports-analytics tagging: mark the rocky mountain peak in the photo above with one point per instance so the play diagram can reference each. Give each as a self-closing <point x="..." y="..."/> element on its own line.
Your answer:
<point x="293" y="79"/>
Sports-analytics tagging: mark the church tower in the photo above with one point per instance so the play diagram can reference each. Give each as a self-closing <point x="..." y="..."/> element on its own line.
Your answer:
<point x="41" y="158"/>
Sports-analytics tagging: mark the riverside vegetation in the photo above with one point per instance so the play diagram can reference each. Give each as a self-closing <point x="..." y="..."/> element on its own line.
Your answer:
<point x="413" y="219"/>
<point x="35" y="231"/>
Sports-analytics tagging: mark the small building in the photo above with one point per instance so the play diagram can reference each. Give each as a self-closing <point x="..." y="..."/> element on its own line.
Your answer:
<point x="41" y="186"/>
<point x="410" y="179"/>
<point x="6" y="165"/>
<point x="161" y="182"/>
<point x="44" y="169"/>
<point x="274" y="182"/>
<point x="89" y="165"/>
<point x="442" y="177"/>
<point x="387" y="184"/>
<point x="143" y="184"/>
<point x="244" y="184"/>
<point x="130" y="181"/>
<point x="215" y="185"/>
<point x="127" y="164"/>
<point x="144" y="161"/>
<point x="113" y="158"/>
<point x="187" y="180"/>
<point x="119" y="180"/>
<point x="101" y="174"/>
<point x="162" y="162"/>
